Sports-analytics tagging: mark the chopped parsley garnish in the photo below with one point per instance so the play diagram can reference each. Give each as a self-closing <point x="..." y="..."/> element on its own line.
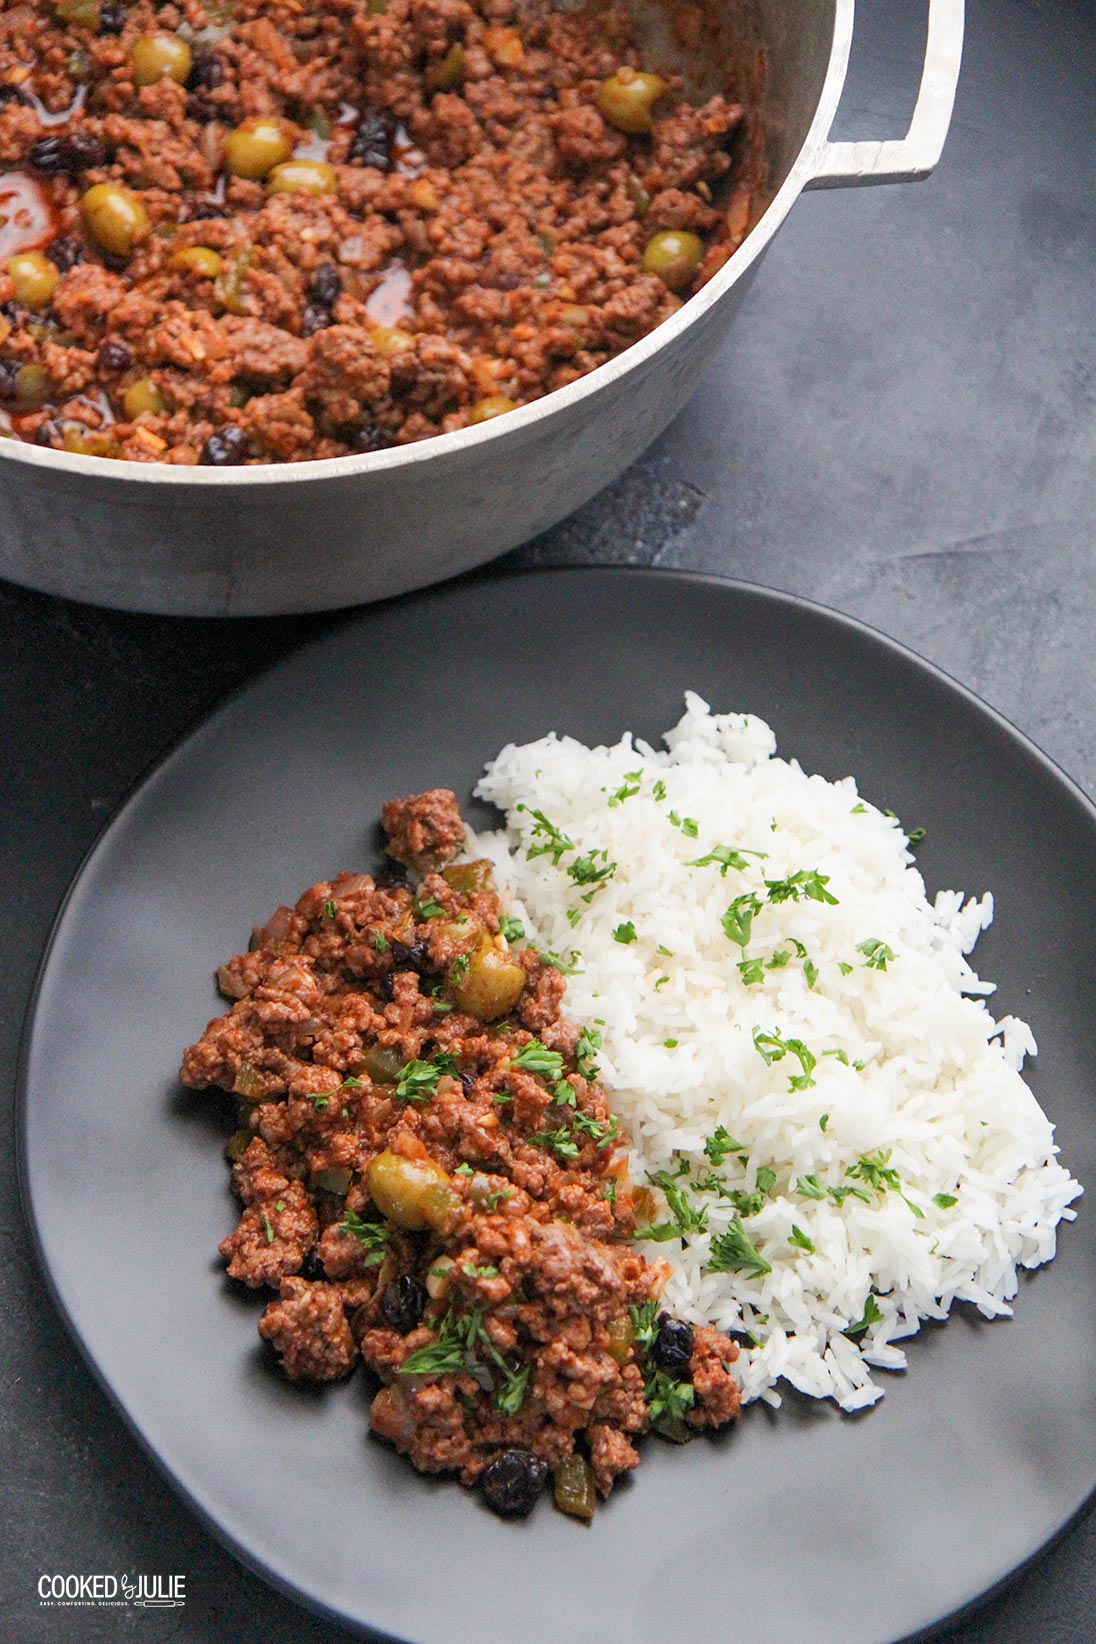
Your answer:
<point x="625" y="932"/>
<point x="459" y="1338"/>
<point x="726" y="857"/>
<point x="511" y="928"/>
<point x="510" y="1394"/>
<point x="630" y="786"/>
<point x="840" y="1194"/>
<point x="610" y="1190"/>
<point x="798" y="1237"/>
<point x="719" y="1144"/>
<point x="460" y="967"/>
<point x="535" y="1057"/>
<point x="669" y="1044"/>
<point x="589" y="1043"/>
<point x="844" y="967"/>
<point x="548" y="958"/>
<point x="497" y="1197"/>
<point x="418" y="1081"/>
<point x="823" y="1121"/>
<point x="430" y="909"/>
<point x="380" y="942"/>
<point x="945" y="1200"/>
<point x="267" y="1229"/>
<point x="734" y="1252"/>
<point x="688" y="824"/>
<point x="688" y="1217"/>
<point x="916" y="835"/>
<point x="876" y="953"/>
<point x="874" y="1169"/>
<point x="585" y="870"/>
<point x="329" y="909"/>
<point x="373" y="1236"/>
<point x="553" y="842"/>
<point x="871" y="1315"/>
<point x="659" y="789"/>
<point x="810" y="1187"/>
<point x="842" y="1056"/>
<point x="560" y="1141"/>
<point x="859" y="810"/>
<point x="772" y="1048"/>
<point x="738" y="920"/>
<point x="807" y="883"/>
<point x="471" y="1271"/>
<point x="752" y="971"/>
<point x="810" y="971"/>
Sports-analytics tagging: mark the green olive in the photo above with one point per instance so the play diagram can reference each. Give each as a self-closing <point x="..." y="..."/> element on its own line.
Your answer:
<point x="413" y="1193"/>
<point x="492" y="405"/>
<point x="141" y="397"/>
<point x="249" y="1083"/>
<point x="83" y="14"/>
<point x="490" y="985"/>
<point x="87" y="442"/>
<point x="238" y="1142"/>
<point x="382" y="1063"/>
<point x="468" y="877"/>
<point x="34" y="277"/>
<point x="201" y="260"/>
<point x="156" y="57"/>
<point x="302" y="177"/>
<point x="674" y="255"/>
<point x="115" y="217"/>
<point x="256" y="146"/>
<point x="447" y="72"/>
<point x="627" y="98"/>
<point x="32" y="386"/>
<point x="389" y="340"/>
<point x="332" y="1179"/>
<point x="573" y="1488"/>
<point x="622" y="1333"/>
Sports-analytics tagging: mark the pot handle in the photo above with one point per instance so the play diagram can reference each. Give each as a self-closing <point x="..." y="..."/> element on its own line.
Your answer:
<point x="844" y="165"/>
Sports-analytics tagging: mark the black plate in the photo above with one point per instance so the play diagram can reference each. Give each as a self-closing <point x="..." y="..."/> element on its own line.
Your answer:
<point x="799" y="1526"/>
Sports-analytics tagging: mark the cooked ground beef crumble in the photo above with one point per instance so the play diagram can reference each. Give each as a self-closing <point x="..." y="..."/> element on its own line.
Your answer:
<point x="433" y="1182"/>
<point x="262" y="232"/>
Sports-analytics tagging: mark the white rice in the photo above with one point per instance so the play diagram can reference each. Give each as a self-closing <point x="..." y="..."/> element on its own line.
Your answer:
<point x="940" y="1084"/>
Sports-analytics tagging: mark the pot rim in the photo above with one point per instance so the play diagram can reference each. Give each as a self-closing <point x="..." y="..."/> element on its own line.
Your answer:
<point x="526" y="417"/>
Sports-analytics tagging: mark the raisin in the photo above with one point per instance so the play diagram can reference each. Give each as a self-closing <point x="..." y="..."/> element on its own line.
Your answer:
<point x="315" y="318"/>
<point x="84" y="151"/>
<point x="112" y="17"/>
<point x="410" y="956"/>
<point x="224" y="449"/>
<point x="54" y="156"/>
<point x="325" y="286"/>
<point x="512" y="1483"/>
<point x="9" y="370"/>
<point x="114" y="355"/>
<point x="371" y="143"/>
<point x="65" y="253"/>
<point x="370" y="438"/>
<point x="402" y="1303"/>
<point x="207" y="72"/>
<point x="673" y="1347"/>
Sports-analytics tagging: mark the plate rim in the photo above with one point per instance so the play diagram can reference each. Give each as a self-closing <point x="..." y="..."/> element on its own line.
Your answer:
<point x="777" y="599"/>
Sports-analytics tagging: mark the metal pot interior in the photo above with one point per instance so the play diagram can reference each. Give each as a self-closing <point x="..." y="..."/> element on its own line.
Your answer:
<point x="782" y="48"/>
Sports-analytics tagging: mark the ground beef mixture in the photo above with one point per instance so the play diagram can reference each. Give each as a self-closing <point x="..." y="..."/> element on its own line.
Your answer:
<point x="433" y="1182"/>
<point x="256" y="231"/>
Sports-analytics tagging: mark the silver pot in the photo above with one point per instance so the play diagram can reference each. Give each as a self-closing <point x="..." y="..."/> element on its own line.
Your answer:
<point x="312" y="536"/>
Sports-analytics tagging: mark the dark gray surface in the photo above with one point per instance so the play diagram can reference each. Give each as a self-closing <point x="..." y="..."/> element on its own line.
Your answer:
<point x="902" y="425"/>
